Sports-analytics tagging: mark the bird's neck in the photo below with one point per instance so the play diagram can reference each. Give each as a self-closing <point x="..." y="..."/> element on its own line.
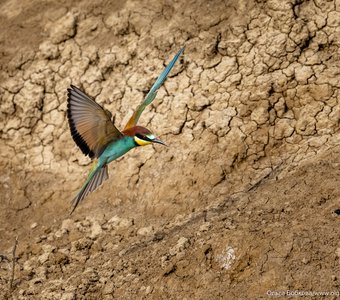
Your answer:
<point x="118" y="148"/>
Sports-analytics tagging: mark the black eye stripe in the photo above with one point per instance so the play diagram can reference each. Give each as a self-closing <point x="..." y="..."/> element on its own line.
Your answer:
<point x="143" y="137"/>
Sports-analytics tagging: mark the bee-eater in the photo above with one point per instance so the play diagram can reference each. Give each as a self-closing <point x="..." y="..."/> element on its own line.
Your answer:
<point x="94" y="132"/>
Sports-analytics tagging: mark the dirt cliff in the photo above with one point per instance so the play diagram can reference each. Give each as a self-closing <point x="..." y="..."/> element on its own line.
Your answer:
<point x="243" y="203"/>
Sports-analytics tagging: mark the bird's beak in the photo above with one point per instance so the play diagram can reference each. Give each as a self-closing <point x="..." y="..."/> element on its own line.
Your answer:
<point x="158" y="141"/>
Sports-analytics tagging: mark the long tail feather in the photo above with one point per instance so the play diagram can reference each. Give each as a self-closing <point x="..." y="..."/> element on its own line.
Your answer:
<point x="96" y="177"/>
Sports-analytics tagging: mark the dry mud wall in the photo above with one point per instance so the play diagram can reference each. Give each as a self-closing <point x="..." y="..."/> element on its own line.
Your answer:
<point x="254" y="98"/>
<point x="257" y="86"/>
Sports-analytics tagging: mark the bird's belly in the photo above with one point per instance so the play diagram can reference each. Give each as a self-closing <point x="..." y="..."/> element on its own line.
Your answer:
<point x="115" y="150"/>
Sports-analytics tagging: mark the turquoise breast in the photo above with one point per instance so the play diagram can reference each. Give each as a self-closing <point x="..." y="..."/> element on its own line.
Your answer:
<point x="117" y="148"/>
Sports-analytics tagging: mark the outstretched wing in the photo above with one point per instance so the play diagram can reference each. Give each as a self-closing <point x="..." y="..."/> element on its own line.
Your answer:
<point x="153" y="92"/>
<point x="91" y="125"/>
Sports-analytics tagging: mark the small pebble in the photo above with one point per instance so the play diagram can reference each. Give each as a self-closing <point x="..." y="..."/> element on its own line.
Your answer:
<point x="145" y="231"/>
<point x="337" y="252"/>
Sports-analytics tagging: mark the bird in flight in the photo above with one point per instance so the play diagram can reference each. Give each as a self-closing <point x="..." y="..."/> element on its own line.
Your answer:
<point x="94" y="132"/>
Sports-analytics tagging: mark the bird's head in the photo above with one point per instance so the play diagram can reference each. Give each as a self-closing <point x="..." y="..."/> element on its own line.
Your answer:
<point x="142" y="136"/>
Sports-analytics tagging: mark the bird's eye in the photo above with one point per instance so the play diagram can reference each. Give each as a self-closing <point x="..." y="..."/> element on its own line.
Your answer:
<point x="142" y="140"/>
<point x="140" y="136"/>
<point x="145" y="137"/>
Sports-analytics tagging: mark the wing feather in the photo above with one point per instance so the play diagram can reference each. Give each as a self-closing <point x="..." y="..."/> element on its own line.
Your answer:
<point x="153" y="92"/>
<point x="91" y="125"/>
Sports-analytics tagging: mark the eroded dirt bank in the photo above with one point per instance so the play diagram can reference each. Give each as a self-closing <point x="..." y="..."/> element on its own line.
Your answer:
<point x="242" y="202"/>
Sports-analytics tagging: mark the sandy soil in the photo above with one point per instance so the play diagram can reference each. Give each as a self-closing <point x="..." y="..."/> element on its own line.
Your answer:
<point x="243" y="203"/>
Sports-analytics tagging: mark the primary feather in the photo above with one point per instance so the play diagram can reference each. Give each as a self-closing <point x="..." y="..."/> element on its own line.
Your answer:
<point x="153" y="92"/>
<point x="91" y="125"/>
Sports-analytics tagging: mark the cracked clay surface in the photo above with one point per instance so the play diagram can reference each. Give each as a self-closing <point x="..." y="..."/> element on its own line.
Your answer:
<point x="243" y="200"/>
